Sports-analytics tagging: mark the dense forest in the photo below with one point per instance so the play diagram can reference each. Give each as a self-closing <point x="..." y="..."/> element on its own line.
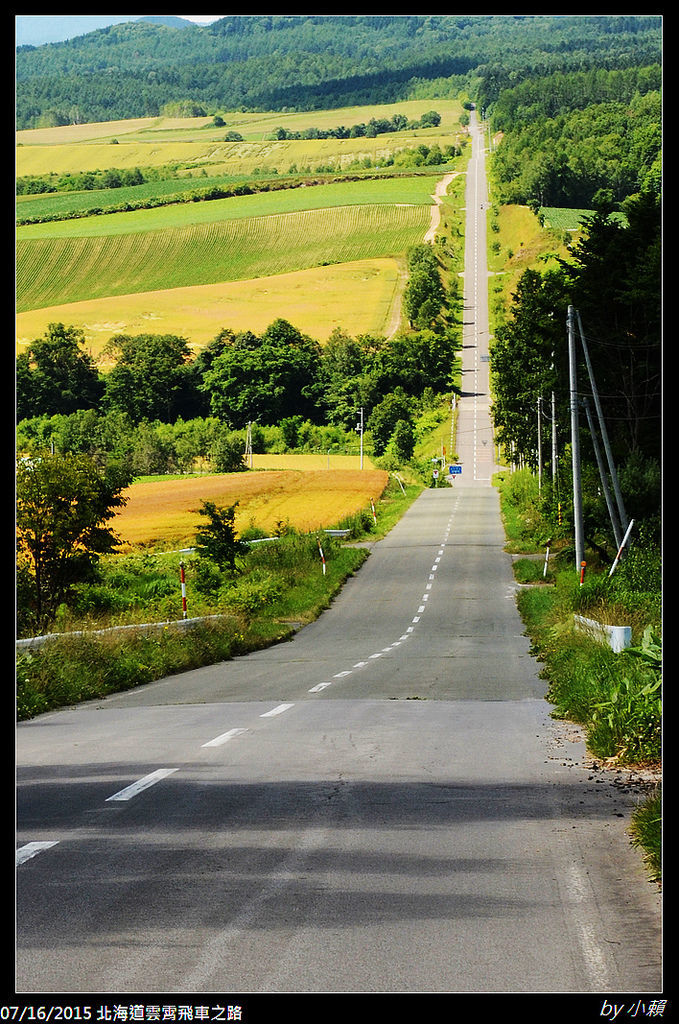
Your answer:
<point x="306" y="62"/>
<point x="566" y="136"/>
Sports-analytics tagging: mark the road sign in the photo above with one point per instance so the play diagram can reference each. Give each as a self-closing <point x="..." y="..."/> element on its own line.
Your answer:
<point x="454" y="469"/>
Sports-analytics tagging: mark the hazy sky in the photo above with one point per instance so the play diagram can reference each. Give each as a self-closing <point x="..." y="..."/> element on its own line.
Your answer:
<point x="204" y="19"/>
<point x="37" y="29"/>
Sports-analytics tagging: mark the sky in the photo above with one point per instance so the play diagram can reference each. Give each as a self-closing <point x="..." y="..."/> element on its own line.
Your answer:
<point x="203" y="19"/>
<point x="39" y="28"/>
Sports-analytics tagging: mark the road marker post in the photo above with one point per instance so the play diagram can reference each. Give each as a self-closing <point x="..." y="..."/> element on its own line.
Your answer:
<point x="183" y="582"/>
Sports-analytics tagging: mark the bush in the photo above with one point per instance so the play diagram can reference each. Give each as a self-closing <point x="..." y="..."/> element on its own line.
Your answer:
<point x="252" y="592"/>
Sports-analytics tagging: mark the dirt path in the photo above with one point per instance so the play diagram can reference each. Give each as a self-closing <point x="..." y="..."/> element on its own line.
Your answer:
<point x="439" y="191"/>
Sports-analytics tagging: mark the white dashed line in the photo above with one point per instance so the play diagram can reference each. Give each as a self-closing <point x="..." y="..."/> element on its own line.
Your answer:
<point x="141" y="784"/>
<point x="224" y="738"/>
<point x="277" y="710"/>
<point x="25" y="853"/>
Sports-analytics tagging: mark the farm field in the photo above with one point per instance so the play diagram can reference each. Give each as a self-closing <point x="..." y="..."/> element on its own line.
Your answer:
<point x="252" y="126"/>
<point x="567" y="219"/>
<point x="165" y="513"/>
<point x="272" y="155"/>
<point x="321" y="256"/>
<point x="358" y="296"/>
<point x="414" y="190"/>
<point x="56" y="271"/>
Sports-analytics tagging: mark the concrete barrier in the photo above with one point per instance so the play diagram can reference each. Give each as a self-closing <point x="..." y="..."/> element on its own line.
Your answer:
<point x="140" y="627"/>
<point x="617" y="637"/>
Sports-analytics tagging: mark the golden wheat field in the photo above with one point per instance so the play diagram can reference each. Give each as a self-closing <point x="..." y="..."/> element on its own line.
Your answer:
<point x="165" y="513"/>
<point x="357" y="296"/>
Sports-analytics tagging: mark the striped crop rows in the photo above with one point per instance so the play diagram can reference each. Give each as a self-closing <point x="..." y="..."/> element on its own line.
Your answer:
<point x="55" y="271"/>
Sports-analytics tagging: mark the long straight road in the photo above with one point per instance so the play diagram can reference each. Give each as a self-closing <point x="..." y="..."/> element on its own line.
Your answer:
<point x="381" y="805"/>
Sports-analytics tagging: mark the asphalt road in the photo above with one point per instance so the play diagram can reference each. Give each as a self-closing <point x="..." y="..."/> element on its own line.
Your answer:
<point x="381" y="805"/>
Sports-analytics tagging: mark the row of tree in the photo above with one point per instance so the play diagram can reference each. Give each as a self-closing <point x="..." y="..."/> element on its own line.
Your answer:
<point x="613" y="279"/>
<point x="241" y="377"/>
<point x="374" y="127"/>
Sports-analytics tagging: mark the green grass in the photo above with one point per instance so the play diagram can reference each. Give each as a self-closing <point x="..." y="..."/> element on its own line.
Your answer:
<point x="567" y="219"/>
<point x="646" y="830"/>
<point x="71" y="668"/>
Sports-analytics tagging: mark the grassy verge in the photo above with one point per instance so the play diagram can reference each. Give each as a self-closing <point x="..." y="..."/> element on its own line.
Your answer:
<point x="615" y="697"/>
<point x="283" y="584"/>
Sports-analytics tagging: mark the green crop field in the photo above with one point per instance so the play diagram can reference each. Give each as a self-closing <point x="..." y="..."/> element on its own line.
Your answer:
<point x="58" y="270"/>
<point x="566" y="219"/>
<point x="398" y="191"/>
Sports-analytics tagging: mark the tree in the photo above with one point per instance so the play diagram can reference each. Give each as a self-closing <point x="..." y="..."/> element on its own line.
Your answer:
<point x="385" y="416"/>
<point x="528" y="358"/>
<point x="402" y="441"/>
<point x="217" y="541"/>
<point x="54" y="375"/>
<point x="424" y="297"/>
<point x="263" y="379"/>
<point x="151" y="379"/>
<point x="63" y="505"/>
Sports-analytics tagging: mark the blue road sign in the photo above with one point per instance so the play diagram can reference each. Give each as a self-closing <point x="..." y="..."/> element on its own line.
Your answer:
<point x="454" y="469"/>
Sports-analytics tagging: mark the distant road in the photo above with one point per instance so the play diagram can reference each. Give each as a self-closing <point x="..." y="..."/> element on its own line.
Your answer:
<point x="381" y="805"/>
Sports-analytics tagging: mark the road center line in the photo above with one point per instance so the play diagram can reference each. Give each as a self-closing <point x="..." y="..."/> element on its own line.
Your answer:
<point x="277" y="710"/>
<point x="25" y="853"/>
<point x="224" y="738"/>
<point x="141" y="784"/>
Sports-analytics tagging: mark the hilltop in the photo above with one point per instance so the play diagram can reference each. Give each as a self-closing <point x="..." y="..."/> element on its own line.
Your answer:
<point x="307" y="62"/>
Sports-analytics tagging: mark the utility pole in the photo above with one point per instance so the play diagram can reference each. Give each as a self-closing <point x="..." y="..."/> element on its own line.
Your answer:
<point x="604" y="433"/>
<point x="359" y="428"/>
<point x="554" y="452"/>
<point x="575" y="442"/>
<point x="248" y="444"/>
<point x="602" y="476"/>
<point x="539" y="448"/>
<point x="554" y="457"/>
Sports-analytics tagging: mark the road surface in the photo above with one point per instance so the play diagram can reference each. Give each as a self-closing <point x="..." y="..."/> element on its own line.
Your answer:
<point x="381" y="805"/>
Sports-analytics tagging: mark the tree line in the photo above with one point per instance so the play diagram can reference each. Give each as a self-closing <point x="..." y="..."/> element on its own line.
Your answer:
<point x="310" y="62"/>
<point x="612" y="277"/>
<point x="568" y="136"/>
<point x="279" y="377"/>
<point x="374" y="127"/>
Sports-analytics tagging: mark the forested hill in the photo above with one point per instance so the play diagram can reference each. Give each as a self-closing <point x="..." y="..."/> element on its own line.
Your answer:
<point x="306" y="62"/>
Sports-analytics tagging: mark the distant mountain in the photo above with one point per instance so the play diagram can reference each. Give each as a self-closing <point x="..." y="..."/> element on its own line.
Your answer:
<point x="38" y="29"/>
<point x="310" y="62"/>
